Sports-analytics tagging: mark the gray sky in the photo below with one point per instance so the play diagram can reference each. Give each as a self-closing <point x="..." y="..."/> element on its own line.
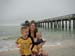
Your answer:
<point x="16" y="12"/>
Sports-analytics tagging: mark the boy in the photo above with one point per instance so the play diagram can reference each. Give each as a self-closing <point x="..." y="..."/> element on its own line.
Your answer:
<point x="24" y="42"/>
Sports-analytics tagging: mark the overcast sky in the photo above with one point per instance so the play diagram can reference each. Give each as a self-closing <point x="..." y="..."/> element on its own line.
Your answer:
<point x="16" y="12"/>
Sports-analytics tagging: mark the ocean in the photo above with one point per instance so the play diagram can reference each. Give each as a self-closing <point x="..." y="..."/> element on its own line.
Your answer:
<point x="9" y="35"/>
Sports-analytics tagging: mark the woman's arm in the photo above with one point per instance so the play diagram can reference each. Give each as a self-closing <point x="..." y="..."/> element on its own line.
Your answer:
<point x="41" y="44"/>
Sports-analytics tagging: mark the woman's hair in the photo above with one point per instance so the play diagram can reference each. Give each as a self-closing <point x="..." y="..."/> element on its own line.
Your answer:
<point x="33" y="22"/>
<point x="36" y="30"/>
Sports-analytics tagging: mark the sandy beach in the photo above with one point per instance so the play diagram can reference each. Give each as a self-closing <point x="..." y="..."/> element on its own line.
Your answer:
<point x="66" y="49"/>
<point x="10" y="53"/>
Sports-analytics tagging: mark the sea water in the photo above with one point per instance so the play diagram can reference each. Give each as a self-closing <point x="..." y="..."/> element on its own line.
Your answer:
<point x="9" y="35"/>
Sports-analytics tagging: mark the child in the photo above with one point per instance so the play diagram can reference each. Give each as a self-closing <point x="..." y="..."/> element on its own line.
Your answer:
<point x="39" y="44"/>
<point x="24" y="42"/>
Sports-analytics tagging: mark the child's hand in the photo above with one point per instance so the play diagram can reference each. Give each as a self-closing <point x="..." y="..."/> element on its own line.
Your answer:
<point x="18" y="45"/>
<point x="30" y="47"/>
<point x="40" y="45"/>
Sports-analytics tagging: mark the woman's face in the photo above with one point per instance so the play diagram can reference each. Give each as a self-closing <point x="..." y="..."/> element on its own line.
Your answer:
<point x="32" y="27"/>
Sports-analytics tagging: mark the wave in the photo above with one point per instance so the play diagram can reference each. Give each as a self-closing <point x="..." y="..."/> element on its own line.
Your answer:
<point x="6" y="45"/>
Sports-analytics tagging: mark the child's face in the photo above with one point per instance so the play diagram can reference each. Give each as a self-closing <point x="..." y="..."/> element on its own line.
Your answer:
<point x="25" y="32"/>
<point x="38" y="35"/>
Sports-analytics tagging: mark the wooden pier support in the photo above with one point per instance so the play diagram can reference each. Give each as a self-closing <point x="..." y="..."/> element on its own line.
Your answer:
<point x="51" y="24"/>
<point x="43" y="24"/>
<point x="62" y="24"/>
<point x="59" y="24"/>
<point x="48" y="25"/>
<point x="66" y="24"/>
<point x="69" y="24"/>
<point x="73" y="23"/>
<point x="55" y="24"/>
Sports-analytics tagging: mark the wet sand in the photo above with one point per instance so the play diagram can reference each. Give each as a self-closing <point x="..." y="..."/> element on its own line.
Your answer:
<point x="65" y="49"/>
<point x="10" y="53"/>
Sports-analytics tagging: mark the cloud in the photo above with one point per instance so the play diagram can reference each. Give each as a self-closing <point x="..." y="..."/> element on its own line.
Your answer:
<point x="17" y="11"/>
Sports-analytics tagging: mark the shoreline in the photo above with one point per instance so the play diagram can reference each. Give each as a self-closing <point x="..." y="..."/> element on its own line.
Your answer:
<point x="58" y="50"/>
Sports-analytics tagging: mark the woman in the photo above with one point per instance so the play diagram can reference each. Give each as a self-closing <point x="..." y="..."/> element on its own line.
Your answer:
<point x="32" y="34"/>
<point x="32" y="31"/>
